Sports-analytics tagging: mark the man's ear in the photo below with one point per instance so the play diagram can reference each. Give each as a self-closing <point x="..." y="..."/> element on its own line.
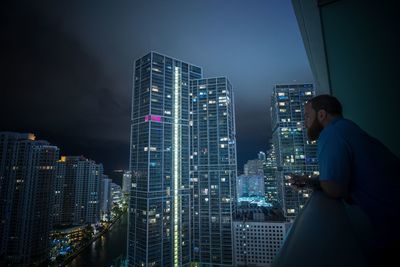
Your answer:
<point x="321" y="115"/>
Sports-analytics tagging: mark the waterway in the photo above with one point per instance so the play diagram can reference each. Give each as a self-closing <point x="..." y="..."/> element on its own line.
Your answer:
<point x="105" y="250"/>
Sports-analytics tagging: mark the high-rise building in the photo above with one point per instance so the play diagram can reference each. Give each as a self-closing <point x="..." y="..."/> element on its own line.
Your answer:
<point x="212" y="171"/>
<point x="116" y="194"/>
<point x="59" y="191"/>
<point x="81" y="194"/>
<point x="105" y="197"/>
<point x="27" y="174"/>
<point x="159" y="213"/>
<point x="250" y="186"/>
<point x="294" y="153"/>
<point x="261" y="156"/>
<point x="126" y="182"/>
<point x="270" y="168"/>
<point x="87" y="192"/>
<point x="254" y="167"/>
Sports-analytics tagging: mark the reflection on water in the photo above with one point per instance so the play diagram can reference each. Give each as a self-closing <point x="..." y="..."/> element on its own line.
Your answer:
<point x="107" y="248"/>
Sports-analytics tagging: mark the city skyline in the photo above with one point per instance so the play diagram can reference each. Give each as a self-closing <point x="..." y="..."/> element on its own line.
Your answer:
<point x="85" y="72"/>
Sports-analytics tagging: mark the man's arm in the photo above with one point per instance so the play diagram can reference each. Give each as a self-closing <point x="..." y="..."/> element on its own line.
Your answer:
<point x="334" y="190"/>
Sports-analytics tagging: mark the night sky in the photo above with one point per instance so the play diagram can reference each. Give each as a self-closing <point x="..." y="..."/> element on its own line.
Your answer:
<point x="66" y="68"/>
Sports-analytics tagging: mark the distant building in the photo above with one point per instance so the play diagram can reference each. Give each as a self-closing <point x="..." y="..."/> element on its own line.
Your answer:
<point x="105" y="199"/>
<point x="254" y="167"/>
<point x="250" y="186"/>
<point x="270" y="173"/>
<point x="294" y="153"/>
<point x="116" y="194"/>
<point x="261" y="156"/>
<point x="87" y="197"/>
<point x="59" y="191"/>
<point x="27" y="174"/>
<point x="81" y="200"/>
<point x="126" y="182"/>
<point x="258" y="235"/>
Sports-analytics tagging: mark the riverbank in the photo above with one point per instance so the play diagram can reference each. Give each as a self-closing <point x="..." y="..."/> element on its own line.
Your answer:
<point x="85" y="246"/>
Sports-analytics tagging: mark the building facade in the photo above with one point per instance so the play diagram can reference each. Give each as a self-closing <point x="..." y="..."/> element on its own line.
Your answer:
<point x="159" y="214"/>
<point x="81" y="190"/>
<point x="257" y="242"/>
<point x="294" y="153"/>
<point x="105" y="199"/>
<point x="254" y="167"/>
<point x="270" y="173"/>
<point x="27" y="174"/>
<point x="212" y="171"/>
<point x="126" y="182"/>
<point x="250" y="186"/>
<point x="59" y="191"/>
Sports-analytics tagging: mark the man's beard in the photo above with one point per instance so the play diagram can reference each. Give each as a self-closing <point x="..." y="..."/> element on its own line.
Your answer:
<point x="314" y="131"/>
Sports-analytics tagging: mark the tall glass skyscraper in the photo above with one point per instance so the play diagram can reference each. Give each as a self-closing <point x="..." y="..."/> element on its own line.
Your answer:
<point x="294" y="153"/>
<point x="159" y="213"/>
<point x="212" y="171"/>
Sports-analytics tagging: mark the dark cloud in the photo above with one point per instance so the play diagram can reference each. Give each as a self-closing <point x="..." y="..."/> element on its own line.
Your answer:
<point x="54" y="87"/>
<point x="67" y="66"/>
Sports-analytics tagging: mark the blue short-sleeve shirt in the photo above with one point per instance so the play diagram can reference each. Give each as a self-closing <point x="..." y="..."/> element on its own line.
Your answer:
<point x="347" y="155"/>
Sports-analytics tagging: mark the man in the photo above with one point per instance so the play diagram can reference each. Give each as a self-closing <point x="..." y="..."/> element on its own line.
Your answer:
<point x="357" y="168"/>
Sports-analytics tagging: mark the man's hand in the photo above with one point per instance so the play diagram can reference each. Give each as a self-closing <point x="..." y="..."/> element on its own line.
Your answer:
<point x="304" y="181"/>
<point x="298" y="181"/>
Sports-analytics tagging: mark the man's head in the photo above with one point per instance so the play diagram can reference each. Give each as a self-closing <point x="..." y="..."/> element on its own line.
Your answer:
<point x="319" y="112"/>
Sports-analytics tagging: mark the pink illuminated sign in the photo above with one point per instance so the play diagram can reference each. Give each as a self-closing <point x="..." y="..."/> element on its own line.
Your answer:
<point x="152" y="118"/>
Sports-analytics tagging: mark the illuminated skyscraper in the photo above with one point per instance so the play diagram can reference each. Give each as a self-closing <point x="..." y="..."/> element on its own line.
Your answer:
<point x="212" y="171"/>
<point x="80" y="190"/>
<point x="294" y="153"/>
<point x="27" y="174"/>
<point x="271" y="193"/>
<point x="159" y="213"/>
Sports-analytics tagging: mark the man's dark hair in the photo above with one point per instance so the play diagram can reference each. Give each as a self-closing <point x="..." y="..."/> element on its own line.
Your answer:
<point x="328" y="103"/>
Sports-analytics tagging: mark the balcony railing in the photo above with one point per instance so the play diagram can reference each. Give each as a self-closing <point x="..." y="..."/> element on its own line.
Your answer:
<point x="327" y="232"/>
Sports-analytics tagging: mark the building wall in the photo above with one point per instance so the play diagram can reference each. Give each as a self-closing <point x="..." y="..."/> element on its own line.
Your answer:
<point x="257" y="243"/>
<point x="212" y="170"/>
<point x="362" y="54"/>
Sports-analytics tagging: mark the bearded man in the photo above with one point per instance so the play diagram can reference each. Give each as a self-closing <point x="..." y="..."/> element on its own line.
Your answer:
<point x="358" y="169"/>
